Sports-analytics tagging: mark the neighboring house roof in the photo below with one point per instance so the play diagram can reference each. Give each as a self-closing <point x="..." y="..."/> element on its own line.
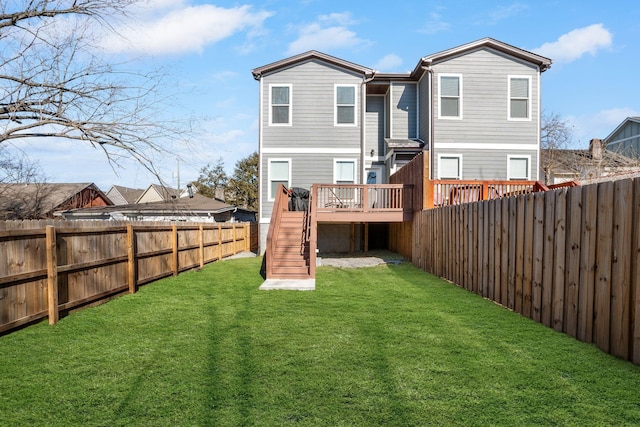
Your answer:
<point x="157" y="193"/>
<point x="120" y="195"/>
<point x="625" y="139"/>
<point x="42" y="199"/>
<point x="198" y="206"/>
<point x="584" y="166"/>
<point x="541" y="61"/>
<point x="306" y="56"/>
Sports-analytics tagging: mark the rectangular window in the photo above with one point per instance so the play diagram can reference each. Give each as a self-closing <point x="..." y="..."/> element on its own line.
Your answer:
<point x="449" y="166"/>
<point x="450" y="87"/>
<point x="344" y="171"/>
<point x="279" y="173"/>
<point x="280" y="105"/>
<point x="519" y="97"/>
<point x="518" y="168"/>
<point x="345" y="112"/>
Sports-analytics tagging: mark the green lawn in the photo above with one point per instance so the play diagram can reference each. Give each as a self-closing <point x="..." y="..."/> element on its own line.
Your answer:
<point x="376" y="346"/>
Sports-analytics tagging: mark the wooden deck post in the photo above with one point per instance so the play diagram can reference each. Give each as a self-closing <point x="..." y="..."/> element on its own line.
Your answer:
<point x="131" y="259"/>
<point x="52" y="275"/>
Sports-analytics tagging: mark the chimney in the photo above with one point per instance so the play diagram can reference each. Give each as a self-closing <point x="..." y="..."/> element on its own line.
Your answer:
<point x="596" y="147"/>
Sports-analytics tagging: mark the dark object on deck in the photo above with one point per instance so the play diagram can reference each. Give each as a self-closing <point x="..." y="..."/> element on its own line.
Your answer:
<point x="299" y="200"/>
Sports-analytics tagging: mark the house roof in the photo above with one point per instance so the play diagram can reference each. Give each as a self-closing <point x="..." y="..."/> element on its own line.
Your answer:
<point x="198" y="205"/>
<point x="50" y="195"/>
<point x="543" y="62"/>
<point x="130" y="195"/>
<point x="312" y="54"/>
<point x="163" y="193"/>
<point x="620" y="126"/>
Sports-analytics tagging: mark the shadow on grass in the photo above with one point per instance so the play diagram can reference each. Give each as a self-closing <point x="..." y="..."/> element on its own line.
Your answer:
<point x="231" y="367"/>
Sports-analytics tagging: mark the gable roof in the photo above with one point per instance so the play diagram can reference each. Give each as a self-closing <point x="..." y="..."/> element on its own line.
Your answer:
<point x="130" y="195"/>
<point x="620" y="126"/>
<point x="543" y="62"/>
<point x="41" y="199"/>
<point x="157" y="192"/>
<point x="306" y="56"/>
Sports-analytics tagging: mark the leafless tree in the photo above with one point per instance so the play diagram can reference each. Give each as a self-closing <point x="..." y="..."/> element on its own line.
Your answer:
<point x="18" y="173"/>
<point x="55" y="84"/>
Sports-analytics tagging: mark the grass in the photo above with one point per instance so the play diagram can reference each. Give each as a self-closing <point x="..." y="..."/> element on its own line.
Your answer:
<point x="387" y="345"/>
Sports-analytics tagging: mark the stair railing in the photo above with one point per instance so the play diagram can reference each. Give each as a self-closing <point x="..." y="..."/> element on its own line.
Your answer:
<point x="280" y="204"/>
<point x="311" y="230"/>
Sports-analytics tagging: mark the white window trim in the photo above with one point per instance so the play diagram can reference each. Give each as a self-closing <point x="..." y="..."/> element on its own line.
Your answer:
<point x="355" y="170"/>
<point x="518" y="119"/>
<point x="460" y="97"/>
<point x="459" y="156"/>
<point x="518" y="156"/>
<point x="335" y="105"/>
<point x="271" y="197"/>
<point x="271" y="86"/>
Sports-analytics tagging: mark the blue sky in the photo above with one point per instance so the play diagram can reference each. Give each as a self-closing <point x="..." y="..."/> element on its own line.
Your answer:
<point x="208" y="49"/>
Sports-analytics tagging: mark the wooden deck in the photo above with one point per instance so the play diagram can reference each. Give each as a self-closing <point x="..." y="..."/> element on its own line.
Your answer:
<point x="362" y="203"/>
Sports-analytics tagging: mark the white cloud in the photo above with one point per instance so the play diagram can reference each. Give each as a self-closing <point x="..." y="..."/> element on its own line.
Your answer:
<point x="171" y="27"/>
<point x="600" y="124"/>
<point x="389" y="62"/>
<point x="576" y="43"/>
<point x="435" y="24"/>
<point x="328" y="33"/>
<point x="505" y="12"/>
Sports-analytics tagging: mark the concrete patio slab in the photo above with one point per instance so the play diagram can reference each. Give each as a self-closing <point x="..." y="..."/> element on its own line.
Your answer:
<point x="289" y="284"/>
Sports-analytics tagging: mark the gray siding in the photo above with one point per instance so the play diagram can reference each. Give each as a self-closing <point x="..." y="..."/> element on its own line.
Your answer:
<point x="484" y="108"/>
<point x="488" y="164"/>
<point x="306" y="169"/>
<point x="375" y="126"/>
<point x="630" y="133"/>
<point x="425" y="110"/>
<point x="403" y="110"/>
<point x="313" y="85"/>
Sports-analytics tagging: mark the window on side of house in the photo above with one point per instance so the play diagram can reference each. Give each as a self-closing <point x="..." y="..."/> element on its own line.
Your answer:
<point x="345" y="112"/>
<point x="519" y="98"/>
<point x="279" y="173"/>
<point x="280" y="105"/>
<point x="518" y="168"/>
<point x="449" y="166"/>
<point x="450" y="88"/>
<point x="344" y="171"/>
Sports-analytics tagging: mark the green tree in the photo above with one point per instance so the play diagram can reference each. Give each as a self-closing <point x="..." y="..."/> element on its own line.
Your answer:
<point x="212" y="180"/>
<point x="242" y="189"/>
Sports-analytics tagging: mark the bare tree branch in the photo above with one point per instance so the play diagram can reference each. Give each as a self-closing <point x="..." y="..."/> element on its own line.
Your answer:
<point x="53" y="84"/>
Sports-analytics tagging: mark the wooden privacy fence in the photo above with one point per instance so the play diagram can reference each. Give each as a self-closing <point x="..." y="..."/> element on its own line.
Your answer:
<point x="49" y="267"/>
<point x="568" y="258"/>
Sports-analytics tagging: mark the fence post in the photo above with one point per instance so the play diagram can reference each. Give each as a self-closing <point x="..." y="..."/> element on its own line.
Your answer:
<point x="131" y="262"/>
<point x="247" y="236"/>
<point x="174" y="244"/>
<point x="201" y="246"/>
<point x="219" y="242"/>
<point x="235" y="242"/>
<point x="52" y="275"/>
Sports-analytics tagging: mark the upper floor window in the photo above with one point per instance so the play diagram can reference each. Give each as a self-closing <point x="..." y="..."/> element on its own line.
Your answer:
<point x="518" y="168"/>
<point x="519" y="97"/>
<point x="450" y="105"/>
<point x="280" y="105"/>
<point x="345" y="110"/>
<point x="449" y="166"/>
<point x="279" y="173"/>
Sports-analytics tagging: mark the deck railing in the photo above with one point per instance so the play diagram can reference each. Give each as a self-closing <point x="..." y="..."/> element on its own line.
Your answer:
<point x="362" y="198"/>
<point x="441" y="192"/>
<point x="281" y="204"/>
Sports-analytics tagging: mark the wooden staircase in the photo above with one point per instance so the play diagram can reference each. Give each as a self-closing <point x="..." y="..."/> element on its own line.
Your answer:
<point x="291" y="252"/>
<point x="291" y="241"/>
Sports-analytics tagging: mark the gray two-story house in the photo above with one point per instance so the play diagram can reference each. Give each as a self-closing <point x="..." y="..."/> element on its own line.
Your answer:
<point x="474" y="110"/>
